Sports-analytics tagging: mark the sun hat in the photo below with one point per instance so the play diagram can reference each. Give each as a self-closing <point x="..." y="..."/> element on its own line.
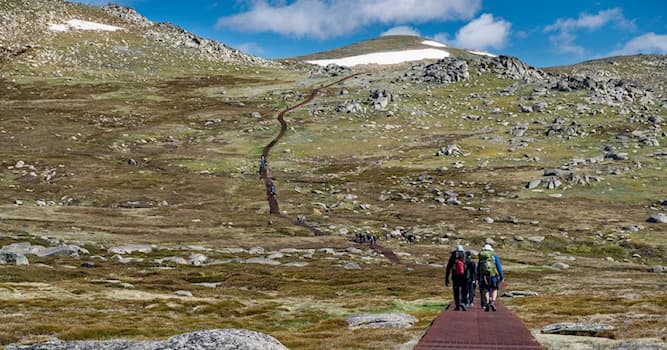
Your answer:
<point x="487" y="247"/>
<point x="459" y="248"/>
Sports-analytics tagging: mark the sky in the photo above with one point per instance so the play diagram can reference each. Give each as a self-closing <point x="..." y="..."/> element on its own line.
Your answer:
<point x="542" y="33"/>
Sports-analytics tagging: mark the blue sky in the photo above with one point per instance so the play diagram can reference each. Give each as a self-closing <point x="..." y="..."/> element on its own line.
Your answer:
<point x="542" y="33"/>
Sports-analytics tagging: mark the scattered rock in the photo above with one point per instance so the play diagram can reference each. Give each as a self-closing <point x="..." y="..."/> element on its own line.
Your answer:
<point x="519" y="294"/>
<point x="658" y="218"/>
<point x="131" y="248"/>
<point x="388" y="320"/>
<point x="13" y="259"/>
<point x="657" y="269"/>
<point x="184" y="293"/>
<point x="352" y="266"/>
<point x="198" y="259"/>
<point x="583" y="329"/>
<point x="450" y="150"/>
<point x="535" y="239"/>
<point x="261" y="261"/>
<point x="560" y="266"/>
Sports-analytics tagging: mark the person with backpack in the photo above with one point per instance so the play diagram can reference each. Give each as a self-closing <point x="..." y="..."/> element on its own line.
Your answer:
<point x="457" y="267"/>
<point x="490" y="274"/>
<point x="471" y="278"/>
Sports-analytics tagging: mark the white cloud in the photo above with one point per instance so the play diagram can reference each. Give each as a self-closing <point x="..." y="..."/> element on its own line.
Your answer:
<point x="564" y="40"/>
<point x="645" y="43"/>
<point x="331" y="18"/>
<point x="592" y="22"/>
<point x="401" y="30"/>
<point x="483" y="33"/>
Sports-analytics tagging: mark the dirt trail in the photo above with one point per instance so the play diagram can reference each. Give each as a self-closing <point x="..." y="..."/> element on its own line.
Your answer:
<point x="274" y="207"/>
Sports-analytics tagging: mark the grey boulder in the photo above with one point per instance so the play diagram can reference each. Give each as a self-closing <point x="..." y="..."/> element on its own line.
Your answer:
<point x="218" y="339"/>
<point x="519" y="294"/>
<point x="586" y="329"/>
<point x="131" y="248"/>
<point x="658" y="218"/>
<point x="11" y="258"/>
<point x="387" y="320"/>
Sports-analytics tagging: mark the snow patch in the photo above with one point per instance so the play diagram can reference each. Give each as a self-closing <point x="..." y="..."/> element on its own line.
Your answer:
<point x="433" y="43"/>
<point x="390" y="57"/>
<point x="77" y="24"/>
<point x="482" y="53"/>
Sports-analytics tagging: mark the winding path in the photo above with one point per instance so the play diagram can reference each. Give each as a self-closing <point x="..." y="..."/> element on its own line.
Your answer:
<point x="274" y="207"/>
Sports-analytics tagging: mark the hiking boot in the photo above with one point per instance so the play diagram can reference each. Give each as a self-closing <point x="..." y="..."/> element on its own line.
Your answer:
<point x="463" y="307"/>
<point x="486" y="308"/>
<point x="493" y="307"/>
<point x="457" y="308"/>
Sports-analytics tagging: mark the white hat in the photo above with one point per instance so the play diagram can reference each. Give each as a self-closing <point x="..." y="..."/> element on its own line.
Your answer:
<point x="487" y="247"/>
<point x="459" y="248"/>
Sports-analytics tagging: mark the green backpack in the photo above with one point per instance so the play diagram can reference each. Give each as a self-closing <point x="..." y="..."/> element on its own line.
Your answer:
<point x="487" y="265"/>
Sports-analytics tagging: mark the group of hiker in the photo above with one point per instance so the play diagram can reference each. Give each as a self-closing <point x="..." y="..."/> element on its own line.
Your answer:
<point x="487" y="273"/>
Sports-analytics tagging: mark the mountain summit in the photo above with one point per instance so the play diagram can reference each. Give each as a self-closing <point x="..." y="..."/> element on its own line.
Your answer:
<point x="392" y="49"/>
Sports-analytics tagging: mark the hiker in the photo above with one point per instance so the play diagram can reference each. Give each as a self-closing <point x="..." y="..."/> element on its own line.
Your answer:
<point x="471" y="277"/>
<point x="457" y="267"/>
<point x="373" y="241"/>
<point x="272" y="190"/>
<point x="262" y="164"/>
<point x="490" y="274"/>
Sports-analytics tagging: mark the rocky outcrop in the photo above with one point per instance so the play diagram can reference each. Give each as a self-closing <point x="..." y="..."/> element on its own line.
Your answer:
<point x="380" y="99"/>
<point x="509" y="67"/>
<point x="219" y="339"/>
<point x="447" y="70"/>
<point x="127" y="14"/>
<point x="388" y="320"/>
<point x="330" y="70"/>
<point x="585" y="329"/>
<point x="179" y="38"/>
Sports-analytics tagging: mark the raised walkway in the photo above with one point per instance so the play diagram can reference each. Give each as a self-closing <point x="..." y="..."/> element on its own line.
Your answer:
<point x="477" y="329"/>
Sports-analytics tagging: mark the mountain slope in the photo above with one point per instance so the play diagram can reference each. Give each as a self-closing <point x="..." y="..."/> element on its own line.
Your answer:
<point x="391" y="49"/>
<point x="647" y="70"/>
<point x="57" y="36"/>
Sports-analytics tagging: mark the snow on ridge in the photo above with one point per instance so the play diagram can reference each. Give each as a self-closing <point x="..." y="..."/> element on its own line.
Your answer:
<point x="482" y="53"/>
<point x="433" y="43"/>
<point x="77" y="24"/>
<point x="389" y="57"/>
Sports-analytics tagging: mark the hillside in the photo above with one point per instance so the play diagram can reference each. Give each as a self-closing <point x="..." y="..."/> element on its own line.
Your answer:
<point x="648" y="70"/>
<point x="62" y="38"/>
<point x="391" y="49"/>
<point x="137" y="187"/>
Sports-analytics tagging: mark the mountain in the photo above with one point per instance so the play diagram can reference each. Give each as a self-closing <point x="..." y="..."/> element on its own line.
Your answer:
<point x="392" y="49"/>
<point x="70" y="38"/>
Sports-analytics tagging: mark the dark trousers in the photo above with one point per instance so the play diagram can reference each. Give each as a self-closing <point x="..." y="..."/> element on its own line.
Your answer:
<point x="460" y="291"/>
<point x="471" y="292"/>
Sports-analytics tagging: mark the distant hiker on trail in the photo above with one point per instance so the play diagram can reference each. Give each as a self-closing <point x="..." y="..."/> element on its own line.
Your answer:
<point x="457" y="267"/>
<point x="471" y="277"/>
<point x="490" y="273"/>
<point x="262" y="164"/>
<point x="272" y="190"/>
